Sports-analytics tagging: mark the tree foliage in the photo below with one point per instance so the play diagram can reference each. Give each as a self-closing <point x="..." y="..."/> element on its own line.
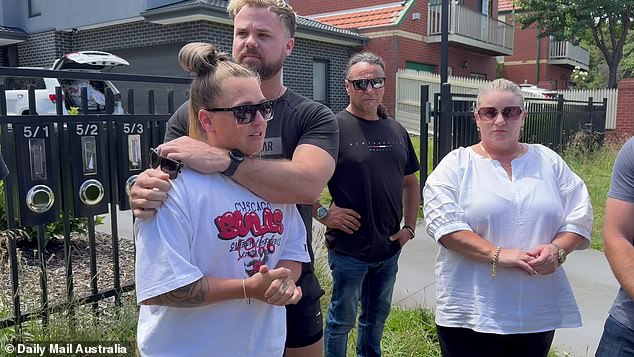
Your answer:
<point x="605" y="22"/>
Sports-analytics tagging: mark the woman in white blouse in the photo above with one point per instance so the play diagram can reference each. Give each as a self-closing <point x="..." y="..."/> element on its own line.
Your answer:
<point x="506" y="214"/>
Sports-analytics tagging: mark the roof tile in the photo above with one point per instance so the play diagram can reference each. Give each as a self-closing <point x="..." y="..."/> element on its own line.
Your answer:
<point x="507" y="5"/>
<point x="363" y="18"/>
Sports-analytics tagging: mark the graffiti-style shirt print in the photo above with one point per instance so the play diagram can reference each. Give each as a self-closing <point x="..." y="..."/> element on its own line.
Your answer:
<point x="256" y="236"/>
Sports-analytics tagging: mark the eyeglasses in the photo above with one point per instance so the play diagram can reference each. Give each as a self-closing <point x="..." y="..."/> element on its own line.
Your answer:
<point x="169" y="166"/>
<point x="245" y="114"/>
<point x="508" y="113"/>
<point x="362" y="84"/>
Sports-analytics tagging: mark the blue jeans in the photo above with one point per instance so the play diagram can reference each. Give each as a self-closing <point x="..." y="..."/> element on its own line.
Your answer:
<point x="617" y="340"/>
<point x="372" y="284"/>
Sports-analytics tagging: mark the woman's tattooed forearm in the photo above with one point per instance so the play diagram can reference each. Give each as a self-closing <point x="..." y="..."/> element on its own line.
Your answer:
<point x="191" y="295"/>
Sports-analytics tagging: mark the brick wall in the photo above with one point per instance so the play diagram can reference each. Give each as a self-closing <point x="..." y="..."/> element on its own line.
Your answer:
<point x="525" y="47"/>
<point x="520" y="67"/>
<point x="556" y="77"/>
<point x="624" y="113"/>
<point x="41" y="50"/>
<point x="550" y="76"/>
<point x="298" y="70"/>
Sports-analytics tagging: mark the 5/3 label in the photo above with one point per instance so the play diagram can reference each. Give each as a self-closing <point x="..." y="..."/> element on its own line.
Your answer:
<point x="132" y="128"/>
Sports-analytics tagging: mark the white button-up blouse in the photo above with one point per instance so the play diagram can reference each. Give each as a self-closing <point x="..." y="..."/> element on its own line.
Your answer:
<point x="469" y="192"/>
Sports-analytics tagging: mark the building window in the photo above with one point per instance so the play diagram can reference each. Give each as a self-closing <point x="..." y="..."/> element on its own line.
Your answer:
<point x="320" y="81"/>
<point x="35" y="8"/>
<point x="478" y="76"/>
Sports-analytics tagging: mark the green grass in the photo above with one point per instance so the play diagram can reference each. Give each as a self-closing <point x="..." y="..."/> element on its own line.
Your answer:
<point x="112" y="323"/>
<point x="595" y="168"/>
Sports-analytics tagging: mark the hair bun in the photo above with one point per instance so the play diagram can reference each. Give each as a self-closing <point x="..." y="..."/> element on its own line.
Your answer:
<point x="200" y="58"/>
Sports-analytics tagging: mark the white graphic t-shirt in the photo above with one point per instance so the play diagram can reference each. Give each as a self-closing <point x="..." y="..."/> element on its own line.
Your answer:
<point x="209" y="225"/>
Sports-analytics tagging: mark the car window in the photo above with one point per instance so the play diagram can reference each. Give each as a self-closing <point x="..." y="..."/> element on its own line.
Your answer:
<point x="18" y="83"/>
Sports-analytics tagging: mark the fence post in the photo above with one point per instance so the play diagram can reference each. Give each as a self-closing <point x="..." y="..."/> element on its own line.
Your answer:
<point x="602" y="121"/>
<point x="589" y="124"/>
<point x="444" y="124"/>
<point x="424" y="135"/>
<point x="559" y="121"/>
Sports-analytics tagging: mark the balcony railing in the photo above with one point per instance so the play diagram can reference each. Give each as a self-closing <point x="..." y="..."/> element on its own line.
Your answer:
<point x="470" y="27"/>
<point x="564" y="52"/>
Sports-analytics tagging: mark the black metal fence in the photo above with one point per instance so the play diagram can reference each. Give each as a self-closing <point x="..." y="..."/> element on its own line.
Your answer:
<point x="551" y="122"/>
<point x="67" y="167"/>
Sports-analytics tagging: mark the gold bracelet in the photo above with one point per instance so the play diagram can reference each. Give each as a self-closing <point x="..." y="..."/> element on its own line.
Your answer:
<point x="495" y="260"/>
<point x="244" y="290"/>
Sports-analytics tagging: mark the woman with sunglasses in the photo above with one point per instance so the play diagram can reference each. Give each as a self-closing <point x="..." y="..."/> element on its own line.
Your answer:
<point x="217" y="264"/>
<point x="506" y="214"/>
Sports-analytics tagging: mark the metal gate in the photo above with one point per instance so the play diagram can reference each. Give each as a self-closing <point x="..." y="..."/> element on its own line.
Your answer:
<point x="550" y="122"/>
<point x="66" y="167"/>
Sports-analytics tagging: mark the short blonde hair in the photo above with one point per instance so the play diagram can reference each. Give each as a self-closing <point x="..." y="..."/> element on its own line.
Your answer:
<point x="500" y="85"/>
<point x="210" y="69"/>
<point x="279" y="7"/>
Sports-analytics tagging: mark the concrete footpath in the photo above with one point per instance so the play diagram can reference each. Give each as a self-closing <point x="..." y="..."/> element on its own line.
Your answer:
<point x="592" y="281"/>
<point x="590" y="276"/>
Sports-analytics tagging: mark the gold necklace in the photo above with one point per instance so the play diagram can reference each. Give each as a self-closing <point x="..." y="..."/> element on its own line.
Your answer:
<point x="491" y="157"/>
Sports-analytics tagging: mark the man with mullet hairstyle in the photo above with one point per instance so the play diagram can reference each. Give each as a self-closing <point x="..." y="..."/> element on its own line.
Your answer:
<point x="373" y="188"/>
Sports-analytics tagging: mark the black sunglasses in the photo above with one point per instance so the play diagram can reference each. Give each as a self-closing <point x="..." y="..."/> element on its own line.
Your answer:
<point x="362" y="84"/>
<point x="169" y="166"/>
<point x="245" y="114"/>
<point x="508" y="113"/>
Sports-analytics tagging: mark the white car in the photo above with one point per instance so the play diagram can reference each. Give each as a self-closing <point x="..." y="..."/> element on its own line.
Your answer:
<point x="531" y="90"/>
<point x="16" y="88"/>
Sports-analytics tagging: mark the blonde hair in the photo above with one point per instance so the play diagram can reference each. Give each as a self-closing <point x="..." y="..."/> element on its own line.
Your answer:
<point x="279" y="7"/>
<point x="500" y="85"/>
<point x="210" y="68"/>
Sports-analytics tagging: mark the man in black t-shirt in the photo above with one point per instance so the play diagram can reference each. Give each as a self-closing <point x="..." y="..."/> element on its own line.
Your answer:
<point x="373" y="187"/>
<point x="302" y="137"/>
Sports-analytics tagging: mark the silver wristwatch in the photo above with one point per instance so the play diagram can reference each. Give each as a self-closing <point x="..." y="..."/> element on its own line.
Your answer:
<point x="322" y="212"/>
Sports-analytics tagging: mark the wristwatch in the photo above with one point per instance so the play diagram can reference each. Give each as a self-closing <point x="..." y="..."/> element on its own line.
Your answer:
<point x="322" y="212"/>
<point x="561" y="254"/>
<point x="236" y="159"/>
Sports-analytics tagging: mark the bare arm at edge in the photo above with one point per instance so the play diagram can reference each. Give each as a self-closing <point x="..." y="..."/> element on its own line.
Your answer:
<point x="618" y="234"/>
